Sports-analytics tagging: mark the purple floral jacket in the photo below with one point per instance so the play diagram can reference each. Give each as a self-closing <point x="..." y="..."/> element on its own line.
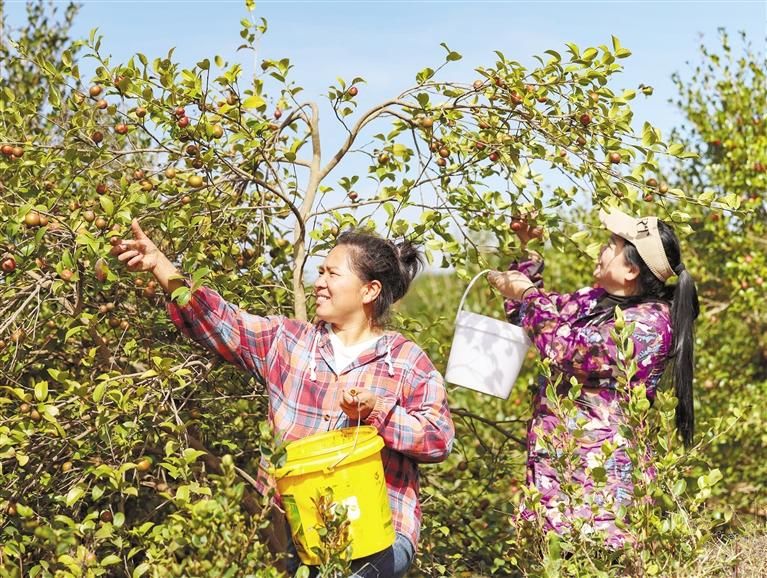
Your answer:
<point x="563" y="330"/>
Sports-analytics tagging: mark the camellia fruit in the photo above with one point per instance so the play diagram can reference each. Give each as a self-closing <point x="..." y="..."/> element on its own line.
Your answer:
<point x="97" y="136"/>
<point x="353" y="91"/>
<point x="194" y="181"/>
<point x="66" y="274"/>
<point x="94" y="90"/>
<point x="144" y="464"/>
<point x="585" y="119"/>
<point x="32" y="219"/>
<point x="615" y="158"/>
<point x="121" y="128"/>
<point x="8" y="265"/>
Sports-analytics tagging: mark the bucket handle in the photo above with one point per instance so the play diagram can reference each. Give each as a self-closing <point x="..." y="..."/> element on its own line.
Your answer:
<point x="465" y="293"/>
<point x="329" y="469"/>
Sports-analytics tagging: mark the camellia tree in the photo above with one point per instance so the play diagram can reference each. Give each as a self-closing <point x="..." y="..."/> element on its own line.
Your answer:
<point x="724" y="101"/>
<point x="126" y="450"/>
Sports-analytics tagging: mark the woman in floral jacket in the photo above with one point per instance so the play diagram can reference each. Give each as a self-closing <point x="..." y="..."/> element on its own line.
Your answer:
<point x="573" y="332"/>
<point x="342" y="370"/>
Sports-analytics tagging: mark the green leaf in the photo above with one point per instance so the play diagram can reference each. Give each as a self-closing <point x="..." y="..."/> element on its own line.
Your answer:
<point x="451" y="54"/>
<point x="199" y="275"/>
<point x="182" y="295"/>
<point x="589" y="54"/>
<point x="675" y="149"/>
<point x="74" y="495"/>
<point x="110" y="560"/>
<point x="191" y="455"/>
<point x="254" y="101"/>
<point x="41" y="390"/>
<point x="107" y="204"/>
<point x="24" y="511"/>
<point x="424" y="75"/>
<point x="679" y="487"/>
<point x="98" y="391"/>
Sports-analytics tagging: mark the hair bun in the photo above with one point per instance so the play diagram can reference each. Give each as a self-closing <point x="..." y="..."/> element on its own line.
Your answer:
<point x="410" y="258"/>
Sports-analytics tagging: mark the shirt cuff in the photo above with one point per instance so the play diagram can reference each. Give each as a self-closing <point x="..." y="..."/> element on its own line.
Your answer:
<point x="381" y="410"/>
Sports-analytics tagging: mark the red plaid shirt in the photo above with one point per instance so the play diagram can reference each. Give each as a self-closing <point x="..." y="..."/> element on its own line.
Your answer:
<point x="295" y="360"/>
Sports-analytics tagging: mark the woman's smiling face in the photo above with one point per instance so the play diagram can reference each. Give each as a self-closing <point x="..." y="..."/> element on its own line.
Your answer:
<point x="338" y="290"/>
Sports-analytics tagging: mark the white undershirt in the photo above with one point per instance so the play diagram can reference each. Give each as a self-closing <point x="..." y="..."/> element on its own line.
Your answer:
<point x="344" y="354"/>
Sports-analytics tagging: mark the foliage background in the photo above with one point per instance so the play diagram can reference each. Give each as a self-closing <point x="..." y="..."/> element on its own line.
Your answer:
<point x="125" y="450"/>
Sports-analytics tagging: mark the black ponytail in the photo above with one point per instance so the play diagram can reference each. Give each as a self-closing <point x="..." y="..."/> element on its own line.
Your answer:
<point x="684" y="311"/>
<point x="394" y="265"/>
<point x="683" y="297"/>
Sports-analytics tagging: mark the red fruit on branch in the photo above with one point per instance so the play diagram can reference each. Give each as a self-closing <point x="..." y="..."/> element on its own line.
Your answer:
<point x="8" y="265"/>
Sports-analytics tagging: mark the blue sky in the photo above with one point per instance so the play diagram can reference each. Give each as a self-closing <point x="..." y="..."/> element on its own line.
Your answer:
<point x="389" y="42"/>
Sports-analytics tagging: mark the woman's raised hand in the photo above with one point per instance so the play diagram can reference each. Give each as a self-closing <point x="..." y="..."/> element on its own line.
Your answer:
<point x="138" y="254"/>
<point x="141" y="254"/>
<point x="511" y="284"/>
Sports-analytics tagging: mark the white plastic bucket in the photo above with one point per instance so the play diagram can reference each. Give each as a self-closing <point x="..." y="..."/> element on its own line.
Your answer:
<point x="486" y="354"/>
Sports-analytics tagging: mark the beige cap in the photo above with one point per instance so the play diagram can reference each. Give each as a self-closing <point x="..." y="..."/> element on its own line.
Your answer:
<point x="643" y="234"/>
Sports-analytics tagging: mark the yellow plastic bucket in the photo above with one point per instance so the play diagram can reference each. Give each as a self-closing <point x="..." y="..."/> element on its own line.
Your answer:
<point x="348" y="461"/>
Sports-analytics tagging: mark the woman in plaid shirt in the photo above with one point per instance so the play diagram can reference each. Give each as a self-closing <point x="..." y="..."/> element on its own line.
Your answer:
<point x="344" y="369"/>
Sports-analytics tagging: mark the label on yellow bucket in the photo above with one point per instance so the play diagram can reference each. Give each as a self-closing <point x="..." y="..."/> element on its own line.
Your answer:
<point x="352" y="506"/>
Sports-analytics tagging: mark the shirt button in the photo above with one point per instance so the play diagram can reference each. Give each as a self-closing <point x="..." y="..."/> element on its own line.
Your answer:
<point x="327" y="417"/>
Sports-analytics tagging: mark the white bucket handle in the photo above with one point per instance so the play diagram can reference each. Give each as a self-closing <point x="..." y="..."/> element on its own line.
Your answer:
<point x="465" y="293"/>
